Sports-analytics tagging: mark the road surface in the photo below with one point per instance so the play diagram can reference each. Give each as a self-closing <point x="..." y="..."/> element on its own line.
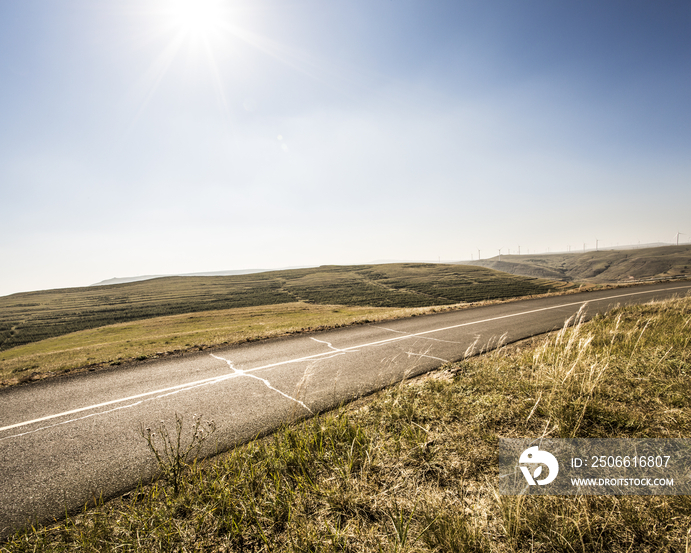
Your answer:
<point x="66" y="441"/>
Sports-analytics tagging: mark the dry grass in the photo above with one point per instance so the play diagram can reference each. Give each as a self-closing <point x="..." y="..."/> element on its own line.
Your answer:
<point x="121" y="343"/>
<point x="413" y="467"/>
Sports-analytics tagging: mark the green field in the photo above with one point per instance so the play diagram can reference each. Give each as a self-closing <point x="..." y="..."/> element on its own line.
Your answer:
<point x="413" y="468"/>
<point x="34" y="316"/>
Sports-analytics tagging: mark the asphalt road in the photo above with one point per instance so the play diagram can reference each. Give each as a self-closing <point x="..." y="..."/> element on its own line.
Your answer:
<point x="66" y="441"/>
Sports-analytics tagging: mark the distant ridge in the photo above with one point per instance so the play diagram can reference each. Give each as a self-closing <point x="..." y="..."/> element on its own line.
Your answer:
<point x="605" y="265"/>
<point x="517" y="265"/>
<point x="123" y="280"/>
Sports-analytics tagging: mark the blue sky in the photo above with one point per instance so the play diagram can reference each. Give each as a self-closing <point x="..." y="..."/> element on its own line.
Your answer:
<point x="152" y="137"/>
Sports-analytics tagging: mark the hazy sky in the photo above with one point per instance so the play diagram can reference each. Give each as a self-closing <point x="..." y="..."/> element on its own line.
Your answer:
<point x="154" y="136"/>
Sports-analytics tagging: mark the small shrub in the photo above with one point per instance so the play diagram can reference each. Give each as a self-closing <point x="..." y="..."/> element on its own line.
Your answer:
<point x="172" y="452"/>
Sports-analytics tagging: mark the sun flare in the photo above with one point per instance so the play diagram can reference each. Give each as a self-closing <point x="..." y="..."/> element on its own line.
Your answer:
<point x="197" y="17"/>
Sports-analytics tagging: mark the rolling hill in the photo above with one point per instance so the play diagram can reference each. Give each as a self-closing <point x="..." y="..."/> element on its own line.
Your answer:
<point x="34" y="316"/>
<point x="609" y="266"/>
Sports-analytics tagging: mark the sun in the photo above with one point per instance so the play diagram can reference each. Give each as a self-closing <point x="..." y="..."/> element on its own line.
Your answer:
<point x="198" y="18"/>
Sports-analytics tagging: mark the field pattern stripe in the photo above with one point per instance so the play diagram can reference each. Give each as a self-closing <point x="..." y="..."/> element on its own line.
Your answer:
<point x="221" y="378"/>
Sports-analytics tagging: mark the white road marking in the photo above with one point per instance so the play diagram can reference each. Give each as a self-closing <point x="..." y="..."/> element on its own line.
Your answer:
<point x="217" y="379"/>
<point x="180" y="387"/>
<point x="197" y="385"/>
<point x="69" y="421"/>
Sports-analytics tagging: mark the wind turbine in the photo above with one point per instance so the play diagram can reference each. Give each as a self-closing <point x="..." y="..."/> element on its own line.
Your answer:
<point x="678" y="233"/>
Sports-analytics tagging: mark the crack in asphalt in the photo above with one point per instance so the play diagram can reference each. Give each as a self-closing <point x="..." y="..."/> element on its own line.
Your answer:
<point x="239" y="372"/>
<point x="428" y="356"/>
<point x="417" y="336"/>
<point x="329" y="345"/>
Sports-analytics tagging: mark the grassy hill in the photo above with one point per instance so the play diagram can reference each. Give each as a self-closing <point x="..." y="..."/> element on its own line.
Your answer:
<point x="34" y="316"/>
<point x="609" y="266"/>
